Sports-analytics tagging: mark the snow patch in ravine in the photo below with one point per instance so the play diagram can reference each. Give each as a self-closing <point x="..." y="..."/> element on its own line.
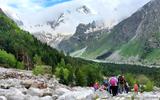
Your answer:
<point x="78" y="53"/>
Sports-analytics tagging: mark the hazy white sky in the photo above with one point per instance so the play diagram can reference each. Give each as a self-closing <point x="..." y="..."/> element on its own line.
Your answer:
<point x="34" y="11"/>
<point x="34" y="5"/>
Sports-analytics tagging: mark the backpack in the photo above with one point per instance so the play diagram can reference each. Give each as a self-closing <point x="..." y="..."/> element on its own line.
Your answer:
<point x="121" y="80"/>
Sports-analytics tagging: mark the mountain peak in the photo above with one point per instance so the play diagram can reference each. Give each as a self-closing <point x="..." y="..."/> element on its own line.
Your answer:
<point x="83" y="9"/>
<point x="135" y="39"/>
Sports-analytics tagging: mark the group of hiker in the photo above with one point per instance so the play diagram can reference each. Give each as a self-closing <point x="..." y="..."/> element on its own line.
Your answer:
<point x="115" y="85"/>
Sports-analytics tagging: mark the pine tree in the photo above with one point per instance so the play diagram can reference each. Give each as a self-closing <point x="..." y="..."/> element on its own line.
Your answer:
<point x="80" y="78"/>
<point x="61" y="76"/>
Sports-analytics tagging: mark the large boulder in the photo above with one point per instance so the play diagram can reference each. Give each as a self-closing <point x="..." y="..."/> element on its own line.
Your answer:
<point x="39" y="92"/>
<point x="61" y="91"/>
<point x="29" y="97"/>
<point x="3" y="98"/>
<point x="27" y="83"/>
<point x="32" y="83"/>
<point x="46" y="98"/>
<point x="8" y="83"/>
<point x="54" y="97"/>
<point x="47" y="92"/>
<point x="12" y="94"/>
<point x="79" y="94"/>
<point x="35" y="92"/>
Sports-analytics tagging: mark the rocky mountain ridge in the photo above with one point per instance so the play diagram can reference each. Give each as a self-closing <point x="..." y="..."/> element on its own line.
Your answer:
<point x="140" y="32"/>
<point x="85" y="33"/>
<point x="64" y="18"/>
<point x="135" y="39"/>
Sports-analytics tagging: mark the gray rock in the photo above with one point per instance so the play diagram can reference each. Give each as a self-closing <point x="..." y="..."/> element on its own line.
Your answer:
<point x="54" y="97"/>
<point x="7" y="83"/>
<point x="23" y="90"/>
<point x="80" y="94"/>
<point x="29" y="97"/>
<point x="61" y="91"/>
<point x="46" y="98"/>
<point x="35" y="92"/>
<point x="14" y="94"/>
<point x="27" y="83"/>
<point x="47" y="92"/>
<point x="15" y="97"/>
<point x="5" y="86"/>
<point x="3" y="98"/>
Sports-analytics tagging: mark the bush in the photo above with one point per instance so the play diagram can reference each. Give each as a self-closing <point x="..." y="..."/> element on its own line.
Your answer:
<point x="41" y="70"/>
<point x="142" y="79"/>
<point x="149" y="86"/>
<point x="9" y="60"/>
<point x="145" y="83"/>
<point x="20" y="65"/>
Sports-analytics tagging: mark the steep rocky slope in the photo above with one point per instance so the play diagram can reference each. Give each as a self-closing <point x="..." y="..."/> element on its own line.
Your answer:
<point x="138" y="35"/>
<point x="63" y="18"/>
<point x="84" y="35"/>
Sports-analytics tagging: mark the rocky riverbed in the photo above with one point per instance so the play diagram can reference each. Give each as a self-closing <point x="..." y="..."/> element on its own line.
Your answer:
<point x="23" y="85"/>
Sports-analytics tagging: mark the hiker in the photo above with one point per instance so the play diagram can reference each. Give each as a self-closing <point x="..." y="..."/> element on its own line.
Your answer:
<point x="105" y="82"/>
<point x="121" y="84"/>
<point x="102" y="87"/>
<point x="126" y="87"/>
<point x="96" y="86"/>
<point x="105" y="86"/>
<point x="114" y="85"/>
<point x="136" y="88"/>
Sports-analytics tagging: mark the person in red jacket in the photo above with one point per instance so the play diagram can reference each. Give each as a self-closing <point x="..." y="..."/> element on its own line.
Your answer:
<point x="96" y="86"/>
<point x="136" y="88"/>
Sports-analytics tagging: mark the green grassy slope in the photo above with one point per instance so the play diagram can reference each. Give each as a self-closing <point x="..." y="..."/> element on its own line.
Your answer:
<point x="23" y="45"/>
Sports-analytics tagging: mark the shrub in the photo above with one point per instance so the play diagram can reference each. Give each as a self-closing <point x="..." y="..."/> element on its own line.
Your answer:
<point x="41" y="70"/>
<point x="149" y="86"/>
<point x="142" y="79"/>
<point x="20" y="65"/>
<point x="145" y="82"/>
<point x="9" y="60"/>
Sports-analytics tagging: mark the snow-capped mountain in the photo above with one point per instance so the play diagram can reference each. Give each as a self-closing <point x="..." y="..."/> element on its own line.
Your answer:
<point x="64" y="21"/>
<point x="65" y="17"/>
<point x="50" y="39"/>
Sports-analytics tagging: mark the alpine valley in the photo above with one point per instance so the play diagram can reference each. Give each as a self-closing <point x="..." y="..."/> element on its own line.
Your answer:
<point x="136" y="39"/>
<point x="79" y="49"/>
<point x="82" y="29"/>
